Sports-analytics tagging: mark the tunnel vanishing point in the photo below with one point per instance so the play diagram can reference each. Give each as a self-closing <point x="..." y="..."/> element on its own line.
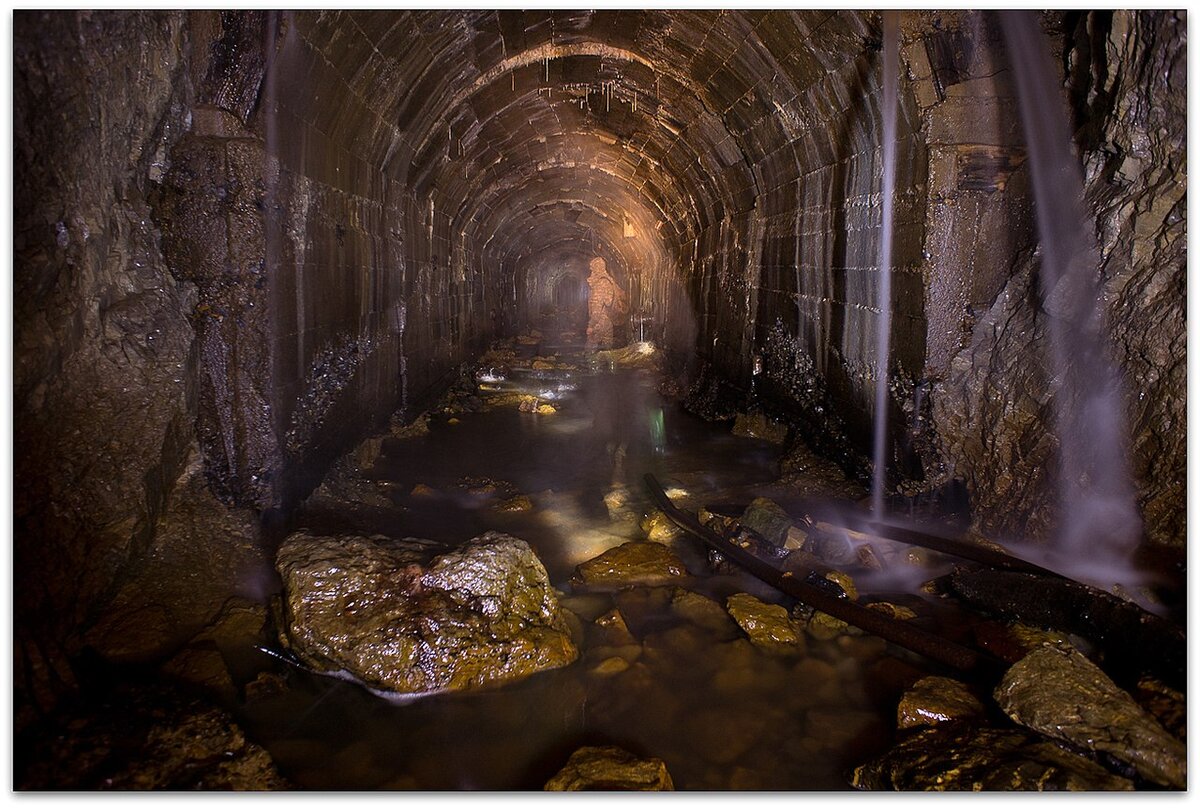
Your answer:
<point x="242" y="240"/>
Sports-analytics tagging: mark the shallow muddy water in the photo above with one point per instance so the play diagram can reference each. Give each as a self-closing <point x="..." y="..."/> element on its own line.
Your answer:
<point x="683" y="687"/>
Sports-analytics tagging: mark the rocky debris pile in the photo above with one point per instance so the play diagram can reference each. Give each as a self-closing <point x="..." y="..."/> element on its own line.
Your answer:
<point x="634" y="356"/>
<point x="758" y="425"/>
<point x="500" y="495"/>
<point x="390" y="615"/>
<point x="610" y="768"/>
<point x="644" y="562"/>
<point x="806" y="473"/>
<point x="1079" y="732"/>
<point x="418" y="427"/>
<point x="533" y="404"/>
<point x="348" y="480"/>
<point x="142" y="735"/>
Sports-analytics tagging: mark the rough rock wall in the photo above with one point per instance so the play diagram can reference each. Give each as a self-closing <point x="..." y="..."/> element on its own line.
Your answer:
<point x="103" y="356"/>
<point x="1126" y="73"/>
<point x="1137" y="186"/>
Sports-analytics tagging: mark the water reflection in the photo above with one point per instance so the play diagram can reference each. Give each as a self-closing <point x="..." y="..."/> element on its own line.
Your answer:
<point x="721" y="712"/>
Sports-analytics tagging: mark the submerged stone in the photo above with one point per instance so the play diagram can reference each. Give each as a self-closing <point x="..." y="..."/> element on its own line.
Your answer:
<point x="935" y="700"/>
<point x="768" y="626"/>
<point x="381" y="610"/>
<point x="610" y="768"/>
<point x="702" y="611"/>
<point x="643" y="562"/>
<point x="1061" y="693"/>
<point x="610" y="666"/>
<point x="962" y="757"/>
<point x="517" y="504"/>
<point x="613" y="629"/>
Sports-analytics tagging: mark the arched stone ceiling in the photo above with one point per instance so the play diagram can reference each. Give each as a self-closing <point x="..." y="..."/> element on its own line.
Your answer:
<point x="512" y="122"/>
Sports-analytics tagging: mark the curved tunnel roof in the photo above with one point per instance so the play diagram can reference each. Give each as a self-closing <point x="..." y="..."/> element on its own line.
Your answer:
<point x="529" y="128"/>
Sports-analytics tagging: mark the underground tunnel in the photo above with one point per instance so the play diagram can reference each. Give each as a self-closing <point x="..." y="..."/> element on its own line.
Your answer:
<point x="719" y="400"/>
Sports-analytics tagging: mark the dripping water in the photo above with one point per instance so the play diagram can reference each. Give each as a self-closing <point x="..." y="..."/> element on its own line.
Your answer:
<point x="891" y="36"/>
<point x="1099" y="523"/>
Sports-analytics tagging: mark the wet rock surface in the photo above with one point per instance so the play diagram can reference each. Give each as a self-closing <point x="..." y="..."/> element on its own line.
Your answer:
<point x="143" y="735"/>
<point x="992" y="409"/>
<point x="965" y="758"/>
<point x="385" y="612"/>
<point x="644" y="562"/>
<point x="768" y="626"/>
<point x="206" y="561"/>
<point x="1060" y="693"/>
<point x="769" y="520"/>
<point x="103" y="361"/>
<point x="936" y="700"/>
<point x="610" y="768"/>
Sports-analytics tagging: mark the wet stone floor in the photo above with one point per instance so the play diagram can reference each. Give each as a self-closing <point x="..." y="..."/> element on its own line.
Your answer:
<point x="670" y="677"/>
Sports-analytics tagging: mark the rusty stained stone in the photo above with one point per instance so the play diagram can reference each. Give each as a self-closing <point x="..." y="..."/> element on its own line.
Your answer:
<point x="986" y="168"/>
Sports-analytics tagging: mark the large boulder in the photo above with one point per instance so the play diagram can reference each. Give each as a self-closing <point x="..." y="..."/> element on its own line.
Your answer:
<point x="1060" y="693"/>
<point x="385" y="612"/>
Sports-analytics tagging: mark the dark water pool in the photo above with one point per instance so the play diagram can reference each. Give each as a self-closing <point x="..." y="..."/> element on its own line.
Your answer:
<point x="720" y="712"/>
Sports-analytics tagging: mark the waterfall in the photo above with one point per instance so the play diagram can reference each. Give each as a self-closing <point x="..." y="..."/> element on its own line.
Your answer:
<point x="1099" y="525"/>
<point x="890" y="80"/>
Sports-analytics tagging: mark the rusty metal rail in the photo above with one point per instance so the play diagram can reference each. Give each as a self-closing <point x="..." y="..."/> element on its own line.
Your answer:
<point x="900" y="633"/>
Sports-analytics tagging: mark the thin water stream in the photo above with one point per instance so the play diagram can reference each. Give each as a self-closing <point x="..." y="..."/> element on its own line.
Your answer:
<point x="890" y="81"/>
<point x="1099" y="523"/>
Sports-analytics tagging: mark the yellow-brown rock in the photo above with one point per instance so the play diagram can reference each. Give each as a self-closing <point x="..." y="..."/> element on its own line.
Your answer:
<point x="610" y="768"/>
<point x="382" y="611"/>
<point x="644" y="562"/>
<point x="935" y="700"/>
<point x="768" y="626"/>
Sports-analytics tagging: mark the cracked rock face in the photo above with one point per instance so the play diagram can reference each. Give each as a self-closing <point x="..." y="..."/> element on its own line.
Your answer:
<point x="1060" y="693"/>
<point x="992" y="408"/>
<point x="103" y="352"/>
<point x="386" y="613"/>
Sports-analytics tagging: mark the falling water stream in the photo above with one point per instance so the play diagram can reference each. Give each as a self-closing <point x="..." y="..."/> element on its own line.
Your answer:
<point x="1099" y="523"/>
<point x="891" y="60"/>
